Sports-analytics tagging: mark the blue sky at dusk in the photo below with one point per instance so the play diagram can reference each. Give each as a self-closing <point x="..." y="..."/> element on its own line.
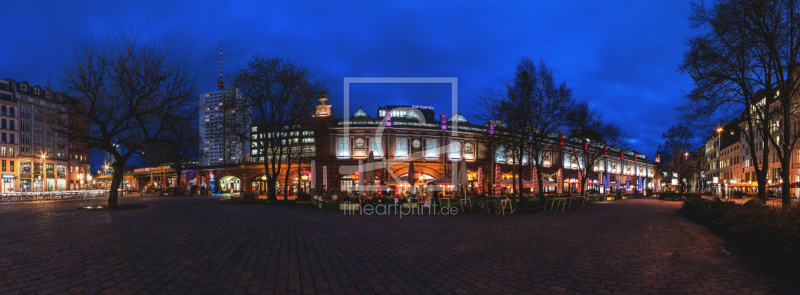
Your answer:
<point x="621" y="56"/>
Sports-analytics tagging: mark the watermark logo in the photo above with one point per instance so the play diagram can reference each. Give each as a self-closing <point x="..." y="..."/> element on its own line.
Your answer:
<point x="398" y="209"/>
<point x="380" y="161"/>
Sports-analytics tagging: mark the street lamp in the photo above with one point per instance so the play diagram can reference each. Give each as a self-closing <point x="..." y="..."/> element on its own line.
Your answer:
<point x="44" y="173"/>
<point x="686" y="159"/>
<point x="719" y="156"/>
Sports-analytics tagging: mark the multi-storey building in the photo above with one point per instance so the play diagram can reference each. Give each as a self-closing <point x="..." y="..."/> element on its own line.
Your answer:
<point x="78" y="154"/>
<point x="409" y="135"/>
<point x="9" y="147"/>
<point x="41" y="155"/>
<point x="729" y="159"/>
<point x="217" y="146"/>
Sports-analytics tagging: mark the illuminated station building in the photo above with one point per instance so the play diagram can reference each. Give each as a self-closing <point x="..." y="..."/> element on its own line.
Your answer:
<point x="398" y="135"/>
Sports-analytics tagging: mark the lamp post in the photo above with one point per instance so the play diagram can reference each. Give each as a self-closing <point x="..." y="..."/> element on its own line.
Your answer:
<point x="719" y="156"/>
<point x="686" y="158"/>
<point x="44" y="173"/>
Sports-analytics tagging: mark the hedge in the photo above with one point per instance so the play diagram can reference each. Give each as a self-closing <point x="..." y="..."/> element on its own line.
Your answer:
<point x="772" y="233"/>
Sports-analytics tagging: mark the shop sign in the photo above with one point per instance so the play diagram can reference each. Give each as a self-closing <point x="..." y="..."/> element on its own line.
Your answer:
<point x="9" y="176"/>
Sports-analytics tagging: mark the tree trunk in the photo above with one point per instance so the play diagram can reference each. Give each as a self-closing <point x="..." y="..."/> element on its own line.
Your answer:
<point x="271" y="185"/>
<point x="286" y="183"/>
<point x="519" y="169"/>
<point x="178" y="187"/>
<point x="116" y="181"/>
<point x="299" y="166"/>
<point x="786" y="196"/>
<point x="540" y="184"/>
<point x="585" y="177"/>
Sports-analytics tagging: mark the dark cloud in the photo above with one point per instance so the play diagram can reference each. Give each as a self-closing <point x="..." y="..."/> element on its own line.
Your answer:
<point x="621" y="56"/>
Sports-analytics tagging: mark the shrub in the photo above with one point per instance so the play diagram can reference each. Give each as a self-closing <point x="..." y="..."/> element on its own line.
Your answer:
<point x="772" y="233"/>
<point x="692" y="196"/>
<point x="755" y="202"/>
<point x="302" y="197"/>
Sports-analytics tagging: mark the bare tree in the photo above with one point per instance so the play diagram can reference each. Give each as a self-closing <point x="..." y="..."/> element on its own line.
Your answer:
<point x="679" y="142"/>
<point x="282" y="100"/>
<point x="533" y="108"/>
<point x="130" y="87"/>
<point x="590" y="136"/>
<point x="733" y="56"/>
<point x="775" y="24"/>
<point x="180" y="147"/>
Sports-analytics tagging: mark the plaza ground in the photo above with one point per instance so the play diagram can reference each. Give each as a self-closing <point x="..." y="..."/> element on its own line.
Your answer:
<point x="197" y="245"/>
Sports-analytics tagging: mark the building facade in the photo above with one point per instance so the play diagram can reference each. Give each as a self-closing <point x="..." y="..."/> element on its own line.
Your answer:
<point x="399" y="135"/>
<point x="730" y="165"/>
<point x="217" y="146"/>
<point x="35" y="157"/>
<point x="9" y="136"/>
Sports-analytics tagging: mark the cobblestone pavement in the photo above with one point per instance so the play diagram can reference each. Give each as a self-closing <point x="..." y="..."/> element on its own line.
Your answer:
<point x="197" y="245"/>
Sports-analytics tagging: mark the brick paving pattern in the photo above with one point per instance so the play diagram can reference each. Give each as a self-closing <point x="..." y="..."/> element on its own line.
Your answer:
<point x="196" y="245"/>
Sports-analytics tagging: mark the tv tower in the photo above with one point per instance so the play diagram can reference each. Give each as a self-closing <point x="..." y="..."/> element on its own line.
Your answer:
<point x="220" y="83"/>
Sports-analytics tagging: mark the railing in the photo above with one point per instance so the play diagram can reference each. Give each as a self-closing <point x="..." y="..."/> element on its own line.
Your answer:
<point x="49" y="196"/>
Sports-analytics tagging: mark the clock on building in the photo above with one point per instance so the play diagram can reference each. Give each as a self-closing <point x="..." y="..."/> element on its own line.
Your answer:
<point x="468" y="147"/>
<point x="415" y="144"/>
<point x="359" y="142"/>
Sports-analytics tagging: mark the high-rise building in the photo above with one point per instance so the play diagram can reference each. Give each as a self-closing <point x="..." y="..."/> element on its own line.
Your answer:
<point x="217" y="146"/>
<point x="217" y="115"/>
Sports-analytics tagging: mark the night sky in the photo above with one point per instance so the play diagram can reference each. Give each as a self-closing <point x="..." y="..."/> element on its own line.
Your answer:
<point x="621" y="56"/>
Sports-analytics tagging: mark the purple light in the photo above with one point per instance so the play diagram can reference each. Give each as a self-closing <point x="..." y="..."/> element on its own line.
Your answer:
<point x="491" y="127"/>
<point x="443" y="125"/>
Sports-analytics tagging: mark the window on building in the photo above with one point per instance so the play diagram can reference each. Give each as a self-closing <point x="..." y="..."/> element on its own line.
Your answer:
<point x="431" y="145"/>
<point x="11" y="164"/>
<point x="500" y="154"/>
<point x="401" y="147"/>
<point x="376" y="146"/>
<point x="343" y="147"/>
<point x="455" y="149"/>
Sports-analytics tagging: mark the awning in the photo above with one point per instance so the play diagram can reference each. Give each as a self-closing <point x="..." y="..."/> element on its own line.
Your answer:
<point x="778" y="185"/>
<point x="743" y="184"/>
<point x="403" y="180"/>
<point x="525" y="183"/>
<point x="441" y="181"/>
